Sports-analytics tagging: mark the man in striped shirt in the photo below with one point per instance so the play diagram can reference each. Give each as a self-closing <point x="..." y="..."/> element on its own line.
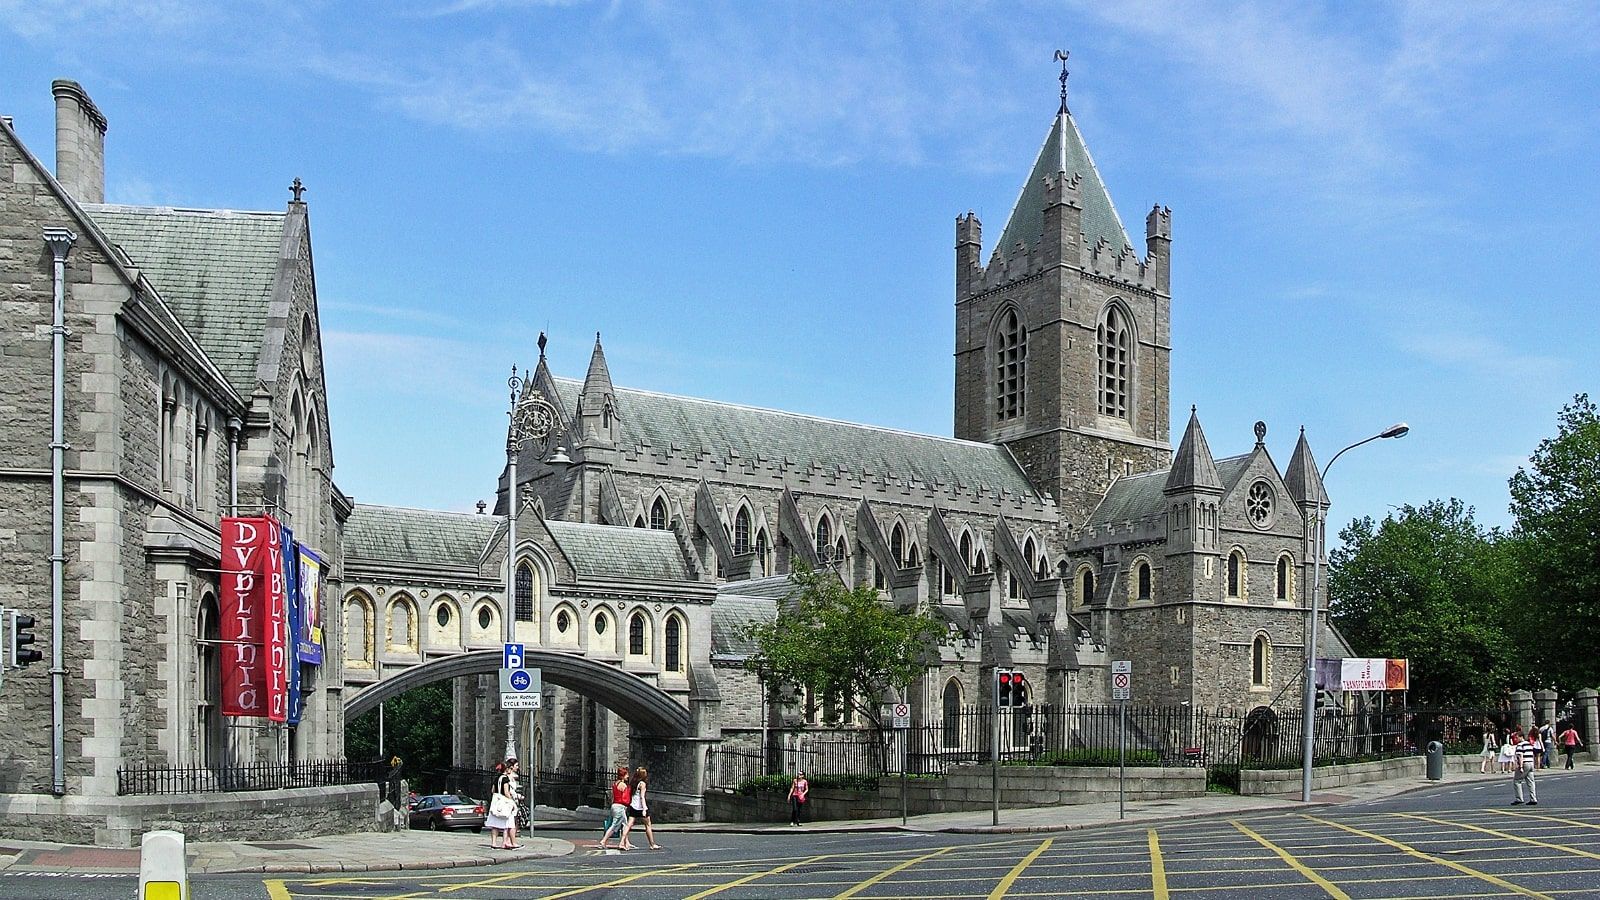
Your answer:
<point x="1522" y="772"/>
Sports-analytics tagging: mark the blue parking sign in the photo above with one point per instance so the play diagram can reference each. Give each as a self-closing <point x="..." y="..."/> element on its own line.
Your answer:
<point x="512" y="659"/>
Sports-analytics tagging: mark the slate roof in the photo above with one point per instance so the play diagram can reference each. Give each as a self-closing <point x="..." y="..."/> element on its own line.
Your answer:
<point x="418" y="536"/>
<point x="771" y="587"/>
<point x="730" y="613"/>
<point x="1063" y="150"/>
<point x="1136" y="497"/>
<point x="215" y="268"/>
<point x="617" y="552"/>
<point x="693" y="425"/>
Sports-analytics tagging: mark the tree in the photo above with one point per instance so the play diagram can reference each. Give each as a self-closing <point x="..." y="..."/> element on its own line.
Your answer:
<point x="845" y="644"/>
<point x="416" y="728"/>
<point x="1431" y="585"/>
<point x="1556" y="503"/>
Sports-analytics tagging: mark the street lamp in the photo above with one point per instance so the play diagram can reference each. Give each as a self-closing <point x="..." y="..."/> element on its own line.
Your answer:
<point x="1320" y="545"/>
<point x="532" y="419"/>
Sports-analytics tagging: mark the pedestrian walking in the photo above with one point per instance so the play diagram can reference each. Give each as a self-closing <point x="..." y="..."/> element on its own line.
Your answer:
<point x="502" y="818"/>
<point x="617" y="821"/>
<point x="798" y="789"/>
<point x="1547" y="741"/>
<point x="1491" y="748"/>
<point x="1570" y="743"/>
<point x="1537" y="741"/>
<point x="1508" y="751"/>
<point x="639" y="809"/>
<point x="1526" y="764"/>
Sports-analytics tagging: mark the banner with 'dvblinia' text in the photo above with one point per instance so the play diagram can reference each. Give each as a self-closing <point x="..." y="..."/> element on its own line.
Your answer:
<point x="254" y="619"/>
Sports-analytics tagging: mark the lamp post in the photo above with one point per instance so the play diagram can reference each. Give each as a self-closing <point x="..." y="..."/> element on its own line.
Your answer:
<point x="1319" y="547"/>
<point x="532" y="419"/>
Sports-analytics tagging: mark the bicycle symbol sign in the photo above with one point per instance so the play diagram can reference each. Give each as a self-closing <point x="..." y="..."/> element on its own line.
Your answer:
<point x="521" y="680"/>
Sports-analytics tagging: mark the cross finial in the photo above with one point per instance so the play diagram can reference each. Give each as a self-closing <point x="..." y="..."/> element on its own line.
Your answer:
<point x="297" y="189"/>
<point x="1061" y="57"/>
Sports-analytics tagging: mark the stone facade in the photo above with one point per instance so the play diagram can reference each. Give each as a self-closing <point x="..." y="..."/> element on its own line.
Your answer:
<point x="187" y="330"/>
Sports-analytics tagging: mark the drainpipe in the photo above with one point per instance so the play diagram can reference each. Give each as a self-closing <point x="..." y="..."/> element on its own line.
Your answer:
<point x="60" y="241"/>
<point x="234" y="425"/>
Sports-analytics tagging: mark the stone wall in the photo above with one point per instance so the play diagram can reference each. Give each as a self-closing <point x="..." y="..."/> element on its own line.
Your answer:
<point x="251" y="815"/>
<point x="966" y="788"/>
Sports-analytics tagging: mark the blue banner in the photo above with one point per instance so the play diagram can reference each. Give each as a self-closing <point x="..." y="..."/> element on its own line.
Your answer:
<point x="291" y="589"/>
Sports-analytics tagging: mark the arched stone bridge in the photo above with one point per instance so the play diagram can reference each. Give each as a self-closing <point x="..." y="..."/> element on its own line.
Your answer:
<point x="643" y="705"/>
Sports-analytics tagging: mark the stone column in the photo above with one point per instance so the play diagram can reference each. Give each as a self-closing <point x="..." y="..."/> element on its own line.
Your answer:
<point x="1588" y="723"/>
<point x="1522" y="708"/>
<point x="1546" y="704"/>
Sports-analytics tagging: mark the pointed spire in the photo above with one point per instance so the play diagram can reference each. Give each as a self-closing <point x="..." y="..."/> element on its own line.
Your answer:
<point x="1192" y="467"/>
<point x="1303" y="479"/>
<point x="1063" y="151"/>
<point x="597" y="383"/>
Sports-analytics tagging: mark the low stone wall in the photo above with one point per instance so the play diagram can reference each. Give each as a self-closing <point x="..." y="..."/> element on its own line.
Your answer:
<point x="964" y="788"/>
<point x="1258" y="782"/>
<point x="246" y="815"/>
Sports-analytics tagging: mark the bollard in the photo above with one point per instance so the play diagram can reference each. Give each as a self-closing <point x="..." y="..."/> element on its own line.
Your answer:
<point x="163" y="871"/>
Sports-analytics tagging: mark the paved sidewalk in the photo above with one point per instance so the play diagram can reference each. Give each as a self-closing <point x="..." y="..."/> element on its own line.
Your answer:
<point x="371" y="852"/>
<point x="410" y="850"/>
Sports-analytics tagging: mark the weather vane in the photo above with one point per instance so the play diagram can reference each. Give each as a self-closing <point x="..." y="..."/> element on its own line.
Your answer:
<point x="1061" y="57"/>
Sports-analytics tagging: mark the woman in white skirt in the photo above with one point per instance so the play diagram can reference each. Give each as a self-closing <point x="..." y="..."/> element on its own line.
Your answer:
<point x="503" y="821"/>
<point x="1491" y="748"/>
<point x="1508" y="751"/>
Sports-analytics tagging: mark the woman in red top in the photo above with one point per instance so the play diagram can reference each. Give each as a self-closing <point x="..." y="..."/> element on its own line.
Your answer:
<point x="621" y="793"/>
<point x="1569" y="743"/>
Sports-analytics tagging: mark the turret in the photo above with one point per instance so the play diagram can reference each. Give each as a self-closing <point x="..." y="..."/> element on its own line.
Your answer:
<point x="599" y="427"/>
<point x="1194" y="494"/>
<point x="969" y="254"/>
<point x="1158" y="246"/>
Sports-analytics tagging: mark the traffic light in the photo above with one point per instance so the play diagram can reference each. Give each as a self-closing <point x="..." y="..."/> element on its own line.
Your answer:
<point x="1011" y="688"/>
<point x="21" y="637"/>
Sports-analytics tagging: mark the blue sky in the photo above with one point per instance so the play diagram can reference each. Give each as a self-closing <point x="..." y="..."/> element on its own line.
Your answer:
<point x="1382" y="212"/>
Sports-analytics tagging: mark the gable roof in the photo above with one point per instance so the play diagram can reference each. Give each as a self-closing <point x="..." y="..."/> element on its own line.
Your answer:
<point x="1135" y="497"/>
<point x="214" y="268"/>
<point x="618" y="552"/>
<point x="692" y="425"/>
<point x="424" y="537"/>
<point x="1063" y="151"/>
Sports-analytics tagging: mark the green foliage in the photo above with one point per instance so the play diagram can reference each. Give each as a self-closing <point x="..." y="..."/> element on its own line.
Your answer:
<point x="416" y="728"/>
<point x="1556" y="547"/>
<point x="779" y="784"/>
<point x="1428" y="584"/>
<point x="846" y="644"/>
<point x="1090" y="756"/>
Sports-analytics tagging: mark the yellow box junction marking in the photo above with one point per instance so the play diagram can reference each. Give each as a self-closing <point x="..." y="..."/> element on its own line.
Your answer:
<point x="1158" y="868"/>
<point x="1016" y="870"/>
<point x="1295" y="864"/>
<point x="276" y="890"/>
<point x="1528" y="815"/>
<point x="1447" y="863"/>
<point x="861" y="886"/>
<point x="1504" y="834"/>
<point x="752" y="877"/>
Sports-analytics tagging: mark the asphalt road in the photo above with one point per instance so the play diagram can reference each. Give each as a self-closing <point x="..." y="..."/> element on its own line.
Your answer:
<point x="1445" y="842"/>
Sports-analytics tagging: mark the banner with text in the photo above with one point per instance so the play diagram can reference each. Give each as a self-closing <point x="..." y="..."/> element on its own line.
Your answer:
<point x="244" y="602"/>
<point x="1373" y="674"/>
<point x="313" y="578"/>
<point x="277" y="629"/>
<point x="291" y="595"/>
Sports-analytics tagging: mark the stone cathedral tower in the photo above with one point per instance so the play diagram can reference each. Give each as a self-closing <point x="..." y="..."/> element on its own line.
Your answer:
<point x="1063" y="338"/>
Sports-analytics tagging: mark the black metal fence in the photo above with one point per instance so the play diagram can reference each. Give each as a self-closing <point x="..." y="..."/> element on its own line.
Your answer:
<point x="259" y="777"/>
<point x="1220" y="740"/>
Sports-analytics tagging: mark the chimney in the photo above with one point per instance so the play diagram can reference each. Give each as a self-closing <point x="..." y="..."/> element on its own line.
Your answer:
<point x="80" y="143"/>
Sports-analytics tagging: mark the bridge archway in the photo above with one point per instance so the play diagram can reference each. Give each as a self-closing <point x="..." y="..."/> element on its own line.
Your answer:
<point x="642" y="704"/>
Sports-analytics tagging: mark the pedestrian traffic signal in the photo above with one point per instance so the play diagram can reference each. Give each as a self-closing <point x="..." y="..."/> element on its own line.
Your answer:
<point x="21" y="636"/>
<point x="1011" y="688"/>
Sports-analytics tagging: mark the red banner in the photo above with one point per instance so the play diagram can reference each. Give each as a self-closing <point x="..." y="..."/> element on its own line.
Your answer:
<point x="254" y="627"/>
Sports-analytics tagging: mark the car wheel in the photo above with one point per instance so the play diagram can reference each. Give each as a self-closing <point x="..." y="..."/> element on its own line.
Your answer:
<point x="433" y="825"/>
<point x="478" y="830"/>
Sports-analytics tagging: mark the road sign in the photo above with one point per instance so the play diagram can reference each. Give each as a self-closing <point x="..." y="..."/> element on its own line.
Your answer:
<point x="1122" y="667"/>
<point x="1121" y="686"/>
<point x="521" y="688"/>
<point x="901" y="714"/>
<point x="513" y="656"/>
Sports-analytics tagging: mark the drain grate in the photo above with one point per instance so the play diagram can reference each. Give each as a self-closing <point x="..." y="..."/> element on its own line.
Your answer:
<point x="281" y="845"/>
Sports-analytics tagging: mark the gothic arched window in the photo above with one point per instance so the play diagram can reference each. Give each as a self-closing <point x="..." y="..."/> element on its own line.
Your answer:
<point x="1260" y="661"/>
<point x="825" y="537"/>
<point x="1114" y="340"/>
<point x="1144" y="580"/>
<point x="1010" y="368"/>
<point x="637" y="633"/>
<point x="674" y="640"/>
<point x="1236" y="574"/>
<point x="951" y="726"/>
<point x="1086" y="586"/>
<point x="966" y="550"/>
<point x="1284" y="589"/>
<point x="761" y="552"/>
<point x="741" y="531"/>
<point x="897" y="545"/>
<point x="524" y="593"/>
<point x="658" y="514"/>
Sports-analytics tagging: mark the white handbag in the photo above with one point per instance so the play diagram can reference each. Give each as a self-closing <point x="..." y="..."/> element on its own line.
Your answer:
<point x="502" y="806"/>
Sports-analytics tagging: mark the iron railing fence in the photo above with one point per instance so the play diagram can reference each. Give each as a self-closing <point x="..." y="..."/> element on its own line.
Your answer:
<point x="1221" y="740"/>
<point x="253" y="777"/>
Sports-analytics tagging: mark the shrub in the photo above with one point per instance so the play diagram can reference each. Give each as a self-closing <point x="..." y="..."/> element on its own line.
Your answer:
<point x="1090" y="756"/>
<point x="779" y="784"/>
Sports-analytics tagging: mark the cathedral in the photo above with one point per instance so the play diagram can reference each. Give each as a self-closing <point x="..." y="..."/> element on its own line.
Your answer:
<point x="1055" y="531"/>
